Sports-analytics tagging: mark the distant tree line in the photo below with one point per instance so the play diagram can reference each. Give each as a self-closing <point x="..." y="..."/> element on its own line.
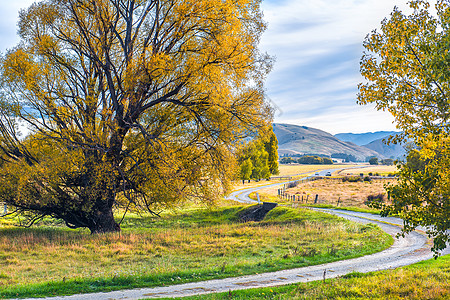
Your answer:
<point x="307" y="160"/>
<point x="373" y="160"/>
<point x="345" y="157"/>
<point x="301" y="155"/>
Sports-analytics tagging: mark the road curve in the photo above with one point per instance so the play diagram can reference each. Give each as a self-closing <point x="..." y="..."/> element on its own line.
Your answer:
<point x="242" y="196"/>
<point x="413" y="248"/>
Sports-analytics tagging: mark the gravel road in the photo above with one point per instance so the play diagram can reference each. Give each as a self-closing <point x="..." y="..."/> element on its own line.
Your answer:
<point x="242" y="196"/>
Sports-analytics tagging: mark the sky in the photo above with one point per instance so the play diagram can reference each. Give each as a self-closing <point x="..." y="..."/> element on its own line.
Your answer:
<point x="317" y="45"/>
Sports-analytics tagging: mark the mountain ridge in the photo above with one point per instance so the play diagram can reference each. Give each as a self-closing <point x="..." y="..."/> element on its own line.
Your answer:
<point x="394" y="151"/>
<point x="296" y="139"/>
<point x="363" y="139"/>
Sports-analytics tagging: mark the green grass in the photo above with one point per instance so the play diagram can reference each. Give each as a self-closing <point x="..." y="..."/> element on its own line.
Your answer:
<point x="349" y="208"/>
<point x="184" y="246"/>
<point x="425" y="280"/>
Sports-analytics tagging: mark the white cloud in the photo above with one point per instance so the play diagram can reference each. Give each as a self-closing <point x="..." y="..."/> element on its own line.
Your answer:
<point x="318" y="45"/>
<point x="9" y="15"/>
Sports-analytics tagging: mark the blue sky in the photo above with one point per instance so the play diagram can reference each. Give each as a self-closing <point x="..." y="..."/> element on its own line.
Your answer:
<point x="317" y="45"/>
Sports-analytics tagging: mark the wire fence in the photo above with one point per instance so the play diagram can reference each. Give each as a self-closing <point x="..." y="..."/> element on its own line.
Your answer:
<point x="318" y="199"/>
<point x="306" y="199"/>
<point x="296" y="198"/>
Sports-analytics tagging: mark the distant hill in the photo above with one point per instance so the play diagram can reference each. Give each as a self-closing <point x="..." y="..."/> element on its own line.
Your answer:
<point x="364" y="138"/>
<point x="394" y="151"/>
<point x="294" y="139"/>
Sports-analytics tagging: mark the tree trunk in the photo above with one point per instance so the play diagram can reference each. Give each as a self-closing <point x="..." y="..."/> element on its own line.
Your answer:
<point x="104" y="222"/>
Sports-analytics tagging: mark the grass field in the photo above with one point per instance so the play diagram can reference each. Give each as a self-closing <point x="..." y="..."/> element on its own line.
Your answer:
<point x="348" y="193"/>
<point x="189" y="245"/>
<point x="425" y="280"/>
<point x="330" y="191"/>
<point x="291" y="170"/>
<point x="294" y="169"/>
<point x="382" y="170"/>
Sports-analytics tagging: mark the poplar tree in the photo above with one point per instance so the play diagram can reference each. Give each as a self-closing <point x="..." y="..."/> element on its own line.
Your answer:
<point x="407" y="68"/>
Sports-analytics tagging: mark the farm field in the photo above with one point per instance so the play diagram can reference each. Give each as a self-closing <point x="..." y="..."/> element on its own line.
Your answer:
<point x="382" y="170"/>
<point x="425" y="280"/>
<point x="291" y="170"/>
<point x="332" y="190"/>
<point x="187" y="245"/>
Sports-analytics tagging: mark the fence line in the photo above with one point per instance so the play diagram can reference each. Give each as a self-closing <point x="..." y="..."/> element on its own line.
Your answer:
<point x="313" y="199"/>
<point x="305" y="199"/>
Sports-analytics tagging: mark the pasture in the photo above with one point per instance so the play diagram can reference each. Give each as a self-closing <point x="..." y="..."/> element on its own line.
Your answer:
<point x="181" y="246"/>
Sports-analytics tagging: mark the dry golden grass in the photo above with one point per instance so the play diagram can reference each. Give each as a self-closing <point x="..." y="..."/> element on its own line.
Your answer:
<point x="238" y="185"/>
<point x="289" y="170"/>
<point x="332" y="190"/>
<point x="294" y="169"/>
<point x="380" y="169"/>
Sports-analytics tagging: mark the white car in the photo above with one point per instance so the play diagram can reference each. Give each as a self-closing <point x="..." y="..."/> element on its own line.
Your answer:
<point x="328" y="174"/>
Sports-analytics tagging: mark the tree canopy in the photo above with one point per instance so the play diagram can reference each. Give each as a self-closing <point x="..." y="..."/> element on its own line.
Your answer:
<point x="131" y="103"/>
<point x="258" y="158"/>
<point x="406" y="66"/>
<point x="373" y="160"/>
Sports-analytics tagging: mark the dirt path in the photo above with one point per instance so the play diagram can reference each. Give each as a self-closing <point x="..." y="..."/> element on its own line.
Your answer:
<point x="413" y="248"/>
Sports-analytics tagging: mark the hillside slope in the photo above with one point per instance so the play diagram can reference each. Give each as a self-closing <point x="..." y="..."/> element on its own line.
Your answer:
<point x="394" y="151"/>
<point x="294" y="139"/>
<point x="363" y="139"/>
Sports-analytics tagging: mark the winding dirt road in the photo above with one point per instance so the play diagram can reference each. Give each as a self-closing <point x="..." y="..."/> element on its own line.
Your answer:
<point x="242" y="196"/>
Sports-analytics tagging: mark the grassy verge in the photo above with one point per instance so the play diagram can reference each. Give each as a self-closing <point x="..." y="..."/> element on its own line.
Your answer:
<point x="190" y="245"/>
<point x="425" y="280"/>
<point x="349" y="208"/>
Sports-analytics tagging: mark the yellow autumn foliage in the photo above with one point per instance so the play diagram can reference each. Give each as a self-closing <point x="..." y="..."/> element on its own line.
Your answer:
<point x="134" y="104"/>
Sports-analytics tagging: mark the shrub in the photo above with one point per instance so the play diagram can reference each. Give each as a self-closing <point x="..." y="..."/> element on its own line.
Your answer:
<point x="373" y="161"/>
<point x="292" y="184"/>
<point x="351" y="179"/>
<point x="375" y="201"/>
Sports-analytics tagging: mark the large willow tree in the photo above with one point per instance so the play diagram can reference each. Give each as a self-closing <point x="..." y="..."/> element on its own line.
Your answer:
<point x="131" y="103"/>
